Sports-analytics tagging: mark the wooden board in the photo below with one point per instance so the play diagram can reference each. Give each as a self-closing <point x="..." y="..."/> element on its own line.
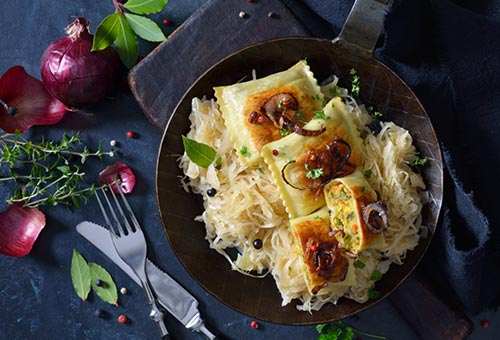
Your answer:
<point x="160" y="80"/>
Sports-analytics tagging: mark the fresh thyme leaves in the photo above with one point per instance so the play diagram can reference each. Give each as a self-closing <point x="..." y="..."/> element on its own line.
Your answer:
<point x="374" y="113"/>
<point x="335" y="91"/>
<point x="313" y="173"/>
<point x="355" y="82"/>
<point x="418" y="161"/>
<point x="46" y="172"/>
<point x="201" y="154"/>
<point x="340" y="330"/>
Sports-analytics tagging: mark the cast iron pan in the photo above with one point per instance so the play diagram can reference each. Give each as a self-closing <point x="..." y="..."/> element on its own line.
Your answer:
<point x="380" y="87"/>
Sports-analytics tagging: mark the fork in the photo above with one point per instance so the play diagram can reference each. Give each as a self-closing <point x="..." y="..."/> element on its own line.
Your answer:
<point x="130" y="244"/>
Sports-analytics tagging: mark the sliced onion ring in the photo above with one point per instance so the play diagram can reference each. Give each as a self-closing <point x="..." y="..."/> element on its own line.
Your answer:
<point x="283" y="175"/>
<point x="19" y="229"/>
<point x="375" y="216"/>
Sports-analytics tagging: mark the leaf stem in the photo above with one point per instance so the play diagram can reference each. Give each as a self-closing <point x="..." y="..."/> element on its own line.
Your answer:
<point x="362" y="332"/>
<point x="118" y="6"/>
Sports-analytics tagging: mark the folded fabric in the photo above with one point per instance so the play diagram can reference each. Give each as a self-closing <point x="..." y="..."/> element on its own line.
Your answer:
<point x="448" y="53"/>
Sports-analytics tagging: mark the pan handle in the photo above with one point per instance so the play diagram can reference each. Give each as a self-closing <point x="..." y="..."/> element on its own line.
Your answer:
<point x="363" y="25"/>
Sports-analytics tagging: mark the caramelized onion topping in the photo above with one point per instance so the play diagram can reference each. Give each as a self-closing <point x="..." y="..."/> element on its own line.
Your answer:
<point x="375" y="216"/>
<point x="323" y="258"/>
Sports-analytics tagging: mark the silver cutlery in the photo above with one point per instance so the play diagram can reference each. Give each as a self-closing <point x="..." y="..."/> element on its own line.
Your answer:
<point x="130" y="245"/>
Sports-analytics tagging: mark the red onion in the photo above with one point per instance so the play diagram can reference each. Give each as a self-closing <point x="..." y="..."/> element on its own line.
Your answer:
<point x="121" y="173"/>
<point x="75" y="75"/>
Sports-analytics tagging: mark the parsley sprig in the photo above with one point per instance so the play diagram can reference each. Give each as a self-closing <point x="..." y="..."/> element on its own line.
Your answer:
<point x="355" y="82"/>
<point x="46" y="172"/>
<point x="339" y="330"/>
<point x="313" y="173"/>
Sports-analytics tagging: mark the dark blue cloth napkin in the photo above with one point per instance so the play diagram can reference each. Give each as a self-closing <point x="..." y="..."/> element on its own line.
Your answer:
<point x="448" y="52"/>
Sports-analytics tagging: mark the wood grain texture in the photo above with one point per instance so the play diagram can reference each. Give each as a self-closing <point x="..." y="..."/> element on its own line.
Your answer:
<point x="211" y="33"/>
<point x="429" y="316"/>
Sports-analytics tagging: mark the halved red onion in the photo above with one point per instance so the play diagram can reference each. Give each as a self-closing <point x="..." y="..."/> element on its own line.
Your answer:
<point x="118" y="173"/>
<point x="19" y="229"/>
<point x="25" y="102"/>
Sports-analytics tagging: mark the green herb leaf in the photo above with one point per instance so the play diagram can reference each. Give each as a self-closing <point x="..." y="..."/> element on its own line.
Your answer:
<point x="418" y="161"/>
<point x="201" y="154"/>
<point x="359" y="264"/>
<point x="313" y="173"/>
<point x="335" y="91"/>
<point x="320" y="327"/>
<point x="348" y="333"/>
<point x="244" y="151"/>
<point x="146" y="28"/>
<point x="107" y="291"/>
<point x="145" y="6"/>
<point x="373" y="293"/>
<point x="376" y="275"/>
<point x="80" y="275"/>
<point x="320" y="115"/>
<point x="106" y="33"/>
<point x="284" y="132"/>
<point x="126" y="43"/>
<point x="368" y="173"/>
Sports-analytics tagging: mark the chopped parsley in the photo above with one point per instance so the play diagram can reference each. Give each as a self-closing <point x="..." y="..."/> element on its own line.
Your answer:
<point x="355" y="82"/>
<point x="359" y="264"/>
<point x="368" y="173"/>
<point x="313" y="173"/>
<point x="418" y="161"/>
<point x="375" y="114"/>
<point x="299" y="116"/>
<point x="244" y="151"/>
<point x="260" y="170"/>
<point x="373" y="293"/>
<point x="284" y="132"/>
<point x="218" y="162"/>
<point x="376" y="275"/>
<point x="334" y="91"/>
<point x="320" y="115"/>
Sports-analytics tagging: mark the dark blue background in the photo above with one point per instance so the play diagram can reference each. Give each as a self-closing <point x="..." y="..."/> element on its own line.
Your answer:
<point x="36" y="294"/>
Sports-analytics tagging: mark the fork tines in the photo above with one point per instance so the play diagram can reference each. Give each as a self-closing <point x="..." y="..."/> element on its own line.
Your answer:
<point x="119" y="227"/>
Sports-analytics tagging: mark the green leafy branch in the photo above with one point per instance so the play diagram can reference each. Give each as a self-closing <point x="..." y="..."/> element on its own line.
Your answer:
<point x="46" y="172"/>
<point x="341" y="331"/>
<point x="121" y="27"/>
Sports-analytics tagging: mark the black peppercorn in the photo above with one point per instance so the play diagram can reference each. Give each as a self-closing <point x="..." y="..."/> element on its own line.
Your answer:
<point x="257" y="243"/>
<point x="99" y="313"/>
<point x="98" y="283"/>
<point x="211" y="192"/>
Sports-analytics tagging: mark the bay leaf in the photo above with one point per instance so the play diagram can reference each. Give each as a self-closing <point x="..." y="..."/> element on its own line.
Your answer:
<point x="146" y="28"/>
<point x="200" y="153"/>
<point x="145" y="6"/>
<point x="106" y="33"/>
<point x="126" y="43"/>
<point x="107" y="291"/>
<point x="80" y="275"/>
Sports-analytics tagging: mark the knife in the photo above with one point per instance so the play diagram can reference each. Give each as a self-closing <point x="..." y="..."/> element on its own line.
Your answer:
<point x="171" y="295"/>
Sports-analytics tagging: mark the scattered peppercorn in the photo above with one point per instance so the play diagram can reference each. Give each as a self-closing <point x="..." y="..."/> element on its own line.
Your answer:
<point x="257" y="243"/>
<point x="130" y="134"/>
<point x="99" y="313"/>
<point x="211" y="192"/>
<point x="98" y="283"/>
<point x="314" y="247"/>
<point x="122" y="318"/>
<point x="112" y="143"/>
<point x="254" y="324"/>
<point x="485" y="323"/>
<point x="253" y="117"/>
<point x="275" y="152"/>
<point x="242" y="14"/>
<point x="271" y="15"/>
<point x="123" y="291"/>
<point x="261" y="119"/>
<point x="167" y="22"/>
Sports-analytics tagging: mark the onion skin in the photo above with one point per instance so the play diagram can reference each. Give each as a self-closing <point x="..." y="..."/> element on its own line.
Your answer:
<point x="73" y="74"/>
<point x="118" y="172"/>
<point x="19" y="229"/>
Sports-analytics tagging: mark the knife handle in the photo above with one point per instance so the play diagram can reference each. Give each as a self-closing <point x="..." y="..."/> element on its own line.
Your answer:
<point x="206" y="333"/>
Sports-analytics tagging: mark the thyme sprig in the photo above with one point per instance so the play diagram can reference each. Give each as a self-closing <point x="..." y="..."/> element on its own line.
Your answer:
<point x="46" y="172"/>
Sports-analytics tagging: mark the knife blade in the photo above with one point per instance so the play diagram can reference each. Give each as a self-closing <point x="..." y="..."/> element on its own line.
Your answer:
<point x="171" y="295"/>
